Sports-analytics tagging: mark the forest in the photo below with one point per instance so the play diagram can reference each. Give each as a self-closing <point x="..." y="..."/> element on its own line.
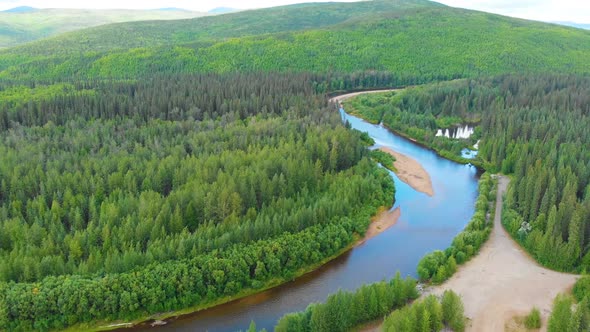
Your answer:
<point x="156" y="166"/>
<point x="343" y="311"/>
<point x="438" y="266"/>
<point x="122" y="199"/>
<point x="383" y="35"/>
<point x="533" y="127"/>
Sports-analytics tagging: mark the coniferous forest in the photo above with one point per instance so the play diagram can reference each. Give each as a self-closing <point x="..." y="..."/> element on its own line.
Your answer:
<point x="535" y="128"/>
<point x="152" y="167"/>
<point x="138" y="203"/>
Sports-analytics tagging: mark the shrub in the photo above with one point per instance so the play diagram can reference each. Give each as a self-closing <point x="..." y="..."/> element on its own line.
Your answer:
<point x="582" y="288"/>
<point x="533" y="319"/>
<point x="452" y="311"/>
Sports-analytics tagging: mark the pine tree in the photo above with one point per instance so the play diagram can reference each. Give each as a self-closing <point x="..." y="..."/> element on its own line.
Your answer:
<point x="561" y="314"/>
<point x="252" y="327"/>
<point x="452" y="311"/>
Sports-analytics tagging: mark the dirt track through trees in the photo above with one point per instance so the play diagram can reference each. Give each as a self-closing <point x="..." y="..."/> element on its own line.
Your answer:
<point x="503" y="281"/>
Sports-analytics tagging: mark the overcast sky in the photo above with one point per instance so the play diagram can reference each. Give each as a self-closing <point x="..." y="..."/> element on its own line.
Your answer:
<point x="543" y="10"/>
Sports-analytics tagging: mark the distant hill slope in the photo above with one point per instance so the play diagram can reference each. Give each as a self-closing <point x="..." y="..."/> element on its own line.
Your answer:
<point x="416" y="40"/>
<point x="222" y="10"/>
<point x="21" y="9"/>
<point x="24" y="24"/>
<point x="576" y="25"/>
<point x="214" y="28"/>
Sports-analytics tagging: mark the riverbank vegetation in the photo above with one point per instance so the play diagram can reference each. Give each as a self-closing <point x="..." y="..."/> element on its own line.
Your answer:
<point x="532" y="128"/>
<point x="345" y="310"/>
<point x="397" y="111"/>
<point x="565" y="316"/>
<point x="428" y="314"/>
<point x="156" y="196"/>
<point x="152" y="167"/>
<point x="384" y="158"/>
<point x="439" y="266"/>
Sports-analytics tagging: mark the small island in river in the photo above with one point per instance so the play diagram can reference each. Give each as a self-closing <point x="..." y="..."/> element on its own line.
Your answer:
<point x="411" y="172"/>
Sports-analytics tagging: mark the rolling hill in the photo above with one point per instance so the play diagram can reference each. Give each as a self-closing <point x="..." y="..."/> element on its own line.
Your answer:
<point x="155" y="168"/>
<point x="417" y="40"/>
<point x="24" y="24"/>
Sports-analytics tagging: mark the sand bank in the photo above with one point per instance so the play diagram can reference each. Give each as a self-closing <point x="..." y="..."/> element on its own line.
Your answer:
<point x="411" y="172"/>
<point x="380" y="223"/>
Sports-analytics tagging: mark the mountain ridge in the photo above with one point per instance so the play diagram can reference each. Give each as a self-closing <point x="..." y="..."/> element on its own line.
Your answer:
<point x="19" y="9"/>
<point x="418" y="40"/>
<point x="19" y="26"/>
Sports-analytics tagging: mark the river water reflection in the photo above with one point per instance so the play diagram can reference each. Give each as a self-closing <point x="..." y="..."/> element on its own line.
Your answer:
<point x="426" y="223"/>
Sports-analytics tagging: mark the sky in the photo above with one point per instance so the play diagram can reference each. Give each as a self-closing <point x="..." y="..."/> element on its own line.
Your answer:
<point x="541" y="10"/>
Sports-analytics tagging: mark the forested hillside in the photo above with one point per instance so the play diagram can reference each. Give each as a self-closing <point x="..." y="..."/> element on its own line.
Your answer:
<point x="215" y="28"/>
<point x="155" y="166"/>
<point x="418" y="43"/>
<point x="211" y="185"/>
<point x="536" y="128"/>
<point x="26" y="25"/>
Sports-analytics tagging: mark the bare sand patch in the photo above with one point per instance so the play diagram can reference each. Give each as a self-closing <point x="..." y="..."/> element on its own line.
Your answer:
<point x="411" y="172"/>
<point x="341" y="98"/>
<point x="380" y="223"/>
<point x="503" y="281"/>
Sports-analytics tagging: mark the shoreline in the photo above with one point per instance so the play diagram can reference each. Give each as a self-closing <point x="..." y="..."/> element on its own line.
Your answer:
<point x="411" y="172"/>
<point x="339" y="99"/>
<point x="167" y="317"/>
<point x="458" y="159"/>
<point x="381" y="222"/>
<point x="493" y="291"/>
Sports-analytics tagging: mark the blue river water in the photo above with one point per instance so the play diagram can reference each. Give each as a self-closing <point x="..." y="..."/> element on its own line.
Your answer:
<point x="426" y="223"/>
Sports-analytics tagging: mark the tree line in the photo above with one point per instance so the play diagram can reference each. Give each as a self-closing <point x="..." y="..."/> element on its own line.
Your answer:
<point x="428" y="315"/>
<point x="345" y="310"/>
<point x="439" y="266"/>
<point x="140" y="197"/>
<point x="533" y="127"/>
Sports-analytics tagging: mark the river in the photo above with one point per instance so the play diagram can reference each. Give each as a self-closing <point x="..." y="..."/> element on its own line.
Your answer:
<point x="426" y="223"/>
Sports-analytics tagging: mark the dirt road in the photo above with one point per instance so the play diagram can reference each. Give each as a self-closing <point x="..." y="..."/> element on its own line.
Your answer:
<point x="504" y="281"/>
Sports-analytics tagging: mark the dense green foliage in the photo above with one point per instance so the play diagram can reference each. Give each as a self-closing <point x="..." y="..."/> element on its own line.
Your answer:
<point x="124" y="199"/>
<point x="428" y="315"/>
<point x="439" y="266"/>
<point x="214" y="28"/>
<point x="533" y="319"/>
<point x="370" y="35"/>
<point x="410" y="112"/>
<point x="535" y="128"/>
<point x="129" y="186"/>
<point x="22" y="27"/>
<point x="566" y="317"/>
<point x="344" y="310"/>
<point x="582" y="288"/>
<point x="384" y="158"/>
